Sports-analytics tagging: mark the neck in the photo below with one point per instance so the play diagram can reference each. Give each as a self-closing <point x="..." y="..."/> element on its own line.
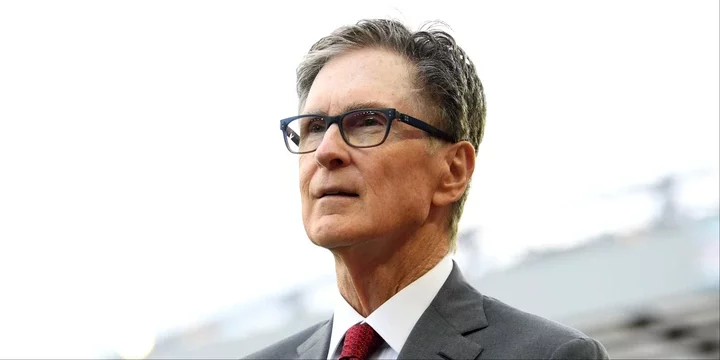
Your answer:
<point x="370" y="273"/>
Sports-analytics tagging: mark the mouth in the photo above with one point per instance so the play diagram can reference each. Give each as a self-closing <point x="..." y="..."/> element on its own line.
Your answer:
<point x="338" y="194"/>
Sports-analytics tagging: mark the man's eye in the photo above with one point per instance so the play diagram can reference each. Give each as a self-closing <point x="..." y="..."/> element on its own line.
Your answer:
<point x="371" y="122"/>
<point x="316" y="126"/>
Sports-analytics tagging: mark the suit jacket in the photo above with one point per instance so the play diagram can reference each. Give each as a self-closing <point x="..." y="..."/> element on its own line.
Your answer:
<point x="461" y="323"/>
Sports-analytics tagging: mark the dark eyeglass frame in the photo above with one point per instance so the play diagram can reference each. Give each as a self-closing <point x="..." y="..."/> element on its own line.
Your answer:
<point x="390" y="114"/>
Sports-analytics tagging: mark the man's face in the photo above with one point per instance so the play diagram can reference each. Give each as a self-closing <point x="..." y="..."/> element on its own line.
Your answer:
<point x="352" y="195"/>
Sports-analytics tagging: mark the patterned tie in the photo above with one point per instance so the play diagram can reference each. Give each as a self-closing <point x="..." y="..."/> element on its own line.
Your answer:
<point x="360" y="341"/>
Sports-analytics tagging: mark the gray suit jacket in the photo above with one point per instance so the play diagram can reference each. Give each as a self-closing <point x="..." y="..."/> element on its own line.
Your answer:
<point x="461" y="323"/>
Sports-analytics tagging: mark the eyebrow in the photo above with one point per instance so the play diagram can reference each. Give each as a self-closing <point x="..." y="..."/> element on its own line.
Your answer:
<point x="351" y="107"/>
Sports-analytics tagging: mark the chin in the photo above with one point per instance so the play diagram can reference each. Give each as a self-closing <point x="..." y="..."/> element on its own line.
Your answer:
<point x="330" y="239"/>
<point x="330" y="243"/>
<point x="331" y="235"/>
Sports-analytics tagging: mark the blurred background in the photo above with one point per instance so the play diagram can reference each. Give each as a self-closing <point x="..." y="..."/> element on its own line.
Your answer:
<point x="148" y="207"/>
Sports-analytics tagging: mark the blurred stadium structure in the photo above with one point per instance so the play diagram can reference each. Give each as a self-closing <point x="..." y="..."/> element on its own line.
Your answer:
<point x="647" y="293"/>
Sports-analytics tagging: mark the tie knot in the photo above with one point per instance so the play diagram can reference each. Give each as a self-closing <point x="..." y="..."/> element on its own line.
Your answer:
<point x="360" y="341"/>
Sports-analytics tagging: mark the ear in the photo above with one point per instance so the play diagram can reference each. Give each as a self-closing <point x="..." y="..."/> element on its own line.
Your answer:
<point x="456" y="175"/>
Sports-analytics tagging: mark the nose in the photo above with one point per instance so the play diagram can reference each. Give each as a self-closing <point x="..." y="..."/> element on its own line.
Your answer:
<point x="332" y="153"/>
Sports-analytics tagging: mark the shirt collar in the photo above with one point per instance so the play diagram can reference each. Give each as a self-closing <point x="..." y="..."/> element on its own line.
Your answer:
<point x="394" y="319"/>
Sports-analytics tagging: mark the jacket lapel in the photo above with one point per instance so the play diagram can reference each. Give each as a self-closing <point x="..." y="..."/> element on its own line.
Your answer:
<point x="456" y="311"/>
<point x="318" y="344"/>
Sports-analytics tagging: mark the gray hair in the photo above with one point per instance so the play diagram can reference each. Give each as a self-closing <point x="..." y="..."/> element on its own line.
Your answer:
<point x="444" y="75"/>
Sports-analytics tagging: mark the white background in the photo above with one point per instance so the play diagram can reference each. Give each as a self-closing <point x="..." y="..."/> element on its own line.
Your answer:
<point x="144" y="183"/>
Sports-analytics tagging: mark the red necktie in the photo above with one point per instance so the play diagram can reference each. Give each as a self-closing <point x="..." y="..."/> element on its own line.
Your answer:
<point x="360" y="341"/>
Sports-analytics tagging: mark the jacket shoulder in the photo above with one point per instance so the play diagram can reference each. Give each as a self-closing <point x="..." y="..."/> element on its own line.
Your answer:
<point x="533" y="336"/>
<point x="287" y="347"/>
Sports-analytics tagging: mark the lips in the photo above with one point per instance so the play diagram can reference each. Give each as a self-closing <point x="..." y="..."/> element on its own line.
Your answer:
<point x="338" y="193"/>
<point x="332" y="191"/>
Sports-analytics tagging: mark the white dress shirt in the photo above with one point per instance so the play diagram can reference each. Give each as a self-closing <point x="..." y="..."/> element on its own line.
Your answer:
<point x="395" y="318"/>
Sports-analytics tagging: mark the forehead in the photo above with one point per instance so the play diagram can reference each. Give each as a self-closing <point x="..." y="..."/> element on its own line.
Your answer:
<point x="365" y="76"/>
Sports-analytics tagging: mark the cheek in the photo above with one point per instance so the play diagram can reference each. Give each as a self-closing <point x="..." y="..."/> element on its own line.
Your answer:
<point x="305" y="205"/>
<point x="403" y="188"/>
<point x="305" y="174"/>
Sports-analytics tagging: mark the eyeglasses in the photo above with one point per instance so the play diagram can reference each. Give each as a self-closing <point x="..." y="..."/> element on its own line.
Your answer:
<point x="361" y="128"/>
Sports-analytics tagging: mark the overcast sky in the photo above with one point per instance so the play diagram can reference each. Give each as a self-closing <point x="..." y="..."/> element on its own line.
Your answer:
<point x="144" y="183"/>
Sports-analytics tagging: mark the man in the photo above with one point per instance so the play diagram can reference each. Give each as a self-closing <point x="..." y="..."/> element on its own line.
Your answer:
<point x="387" y="137"/>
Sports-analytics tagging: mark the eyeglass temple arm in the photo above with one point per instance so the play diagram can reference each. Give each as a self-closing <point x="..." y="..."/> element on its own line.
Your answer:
<point x="426" y="127"/>
<point x="293" y="135"/>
